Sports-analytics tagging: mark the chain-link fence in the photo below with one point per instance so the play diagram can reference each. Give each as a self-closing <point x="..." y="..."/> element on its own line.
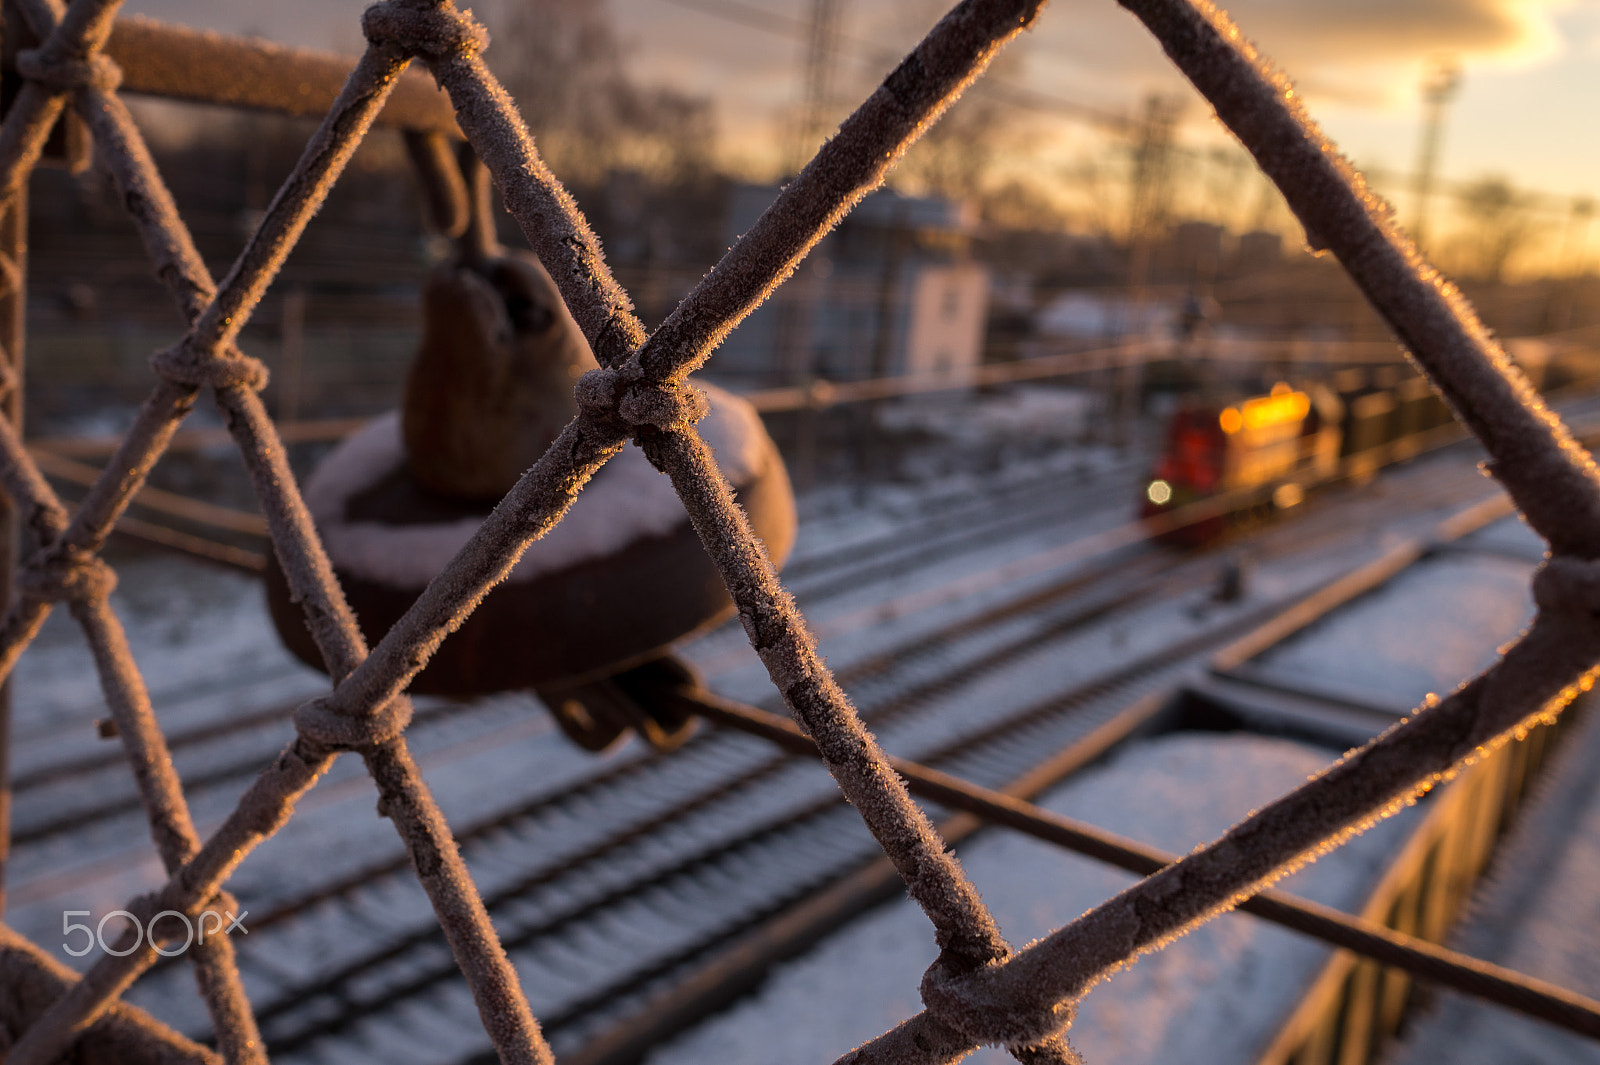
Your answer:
<point x="979" y="990"/>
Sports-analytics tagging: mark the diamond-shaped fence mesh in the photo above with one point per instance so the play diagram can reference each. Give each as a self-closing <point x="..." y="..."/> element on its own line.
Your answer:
<point x="979" y="990"/>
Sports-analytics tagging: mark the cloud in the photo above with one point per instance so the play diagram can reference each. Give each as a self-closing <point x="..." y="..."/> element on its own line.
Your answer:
<point x="1381" y="32"/>
<point x="1364" y="53"/>
<point x="1347" y="56"/>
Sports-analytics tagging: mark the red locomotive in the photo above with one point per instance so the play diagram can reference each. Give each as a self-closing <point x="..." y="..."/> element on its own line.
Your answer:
<point x="1253" y="452"/>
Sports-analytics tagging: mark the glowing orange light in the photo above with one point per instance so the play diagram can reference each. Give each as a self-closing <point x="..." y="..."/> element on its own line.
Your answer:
<point x="1232" y="421"/>
<point x="1276" y="409"/>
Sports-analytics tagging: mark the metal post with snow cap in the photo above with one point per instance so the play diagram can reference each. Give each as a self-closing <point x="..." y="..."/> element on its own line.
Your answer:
<point x="619" y="580"/>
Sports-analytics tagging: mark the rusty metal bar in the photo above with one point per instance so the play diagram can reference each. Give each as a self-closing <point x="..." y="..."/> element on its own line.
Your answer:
<point x="178" y="63"/>
<point x="240" y="558"/>
<point x="198" y="511"/>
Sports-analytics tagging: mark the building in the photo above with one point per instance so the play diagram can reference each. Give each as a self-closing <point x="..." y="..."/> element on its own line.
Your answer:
<point x="892" y="291"/>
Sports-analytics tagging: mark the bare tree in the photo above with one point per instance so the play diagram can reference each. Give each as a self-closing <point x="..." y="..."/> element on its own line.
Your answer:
<point x="1499" y="224"/>
<point x="562" y="62"/>
<point x="964" y="155"/>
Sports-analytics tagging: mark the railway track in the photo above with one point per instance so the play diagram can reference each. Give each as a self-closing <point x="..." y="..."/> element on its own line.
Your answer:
<point x="218" y="756"/>
<point x="67" y="794"/>
<point x="1041" y="502"/>
<point x="631" y="878"/>
<point x="616" y="879"/>
<point x="210" y="759"/>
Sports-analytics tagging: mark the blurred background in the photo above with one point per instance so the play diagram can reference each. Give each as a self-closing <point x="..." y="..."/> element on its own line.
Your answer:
<point x="1079" y="216"/>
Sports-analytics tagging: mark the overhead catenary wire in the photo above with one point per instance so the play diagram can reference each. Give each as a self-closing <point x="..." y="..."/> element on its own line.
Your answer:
<point x="797" y="29"/>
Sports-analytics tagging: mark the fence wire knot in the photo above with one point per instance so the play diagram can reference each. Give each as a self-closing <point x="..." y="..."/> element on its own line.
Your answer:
<point x="1569" y="586"/>
<point x="429" y="30"/>
<point x="67" y="577"/>
<point x="147" y="907"/>
<point x="322" y="721"/>
<point x="612" y="398"/>
<point x="186" y="364"/>
<point x="960" y="1001"/>
<point x="69" y="73"/>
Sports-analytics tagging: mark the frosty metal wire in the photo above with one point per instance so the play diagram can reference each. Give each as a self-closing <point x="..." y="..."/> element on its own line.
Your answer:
<point x="976" y="993"/>
<point x="1552" y="480"/>
<point x="13" y="356"/>
<point x="67" y="55"/>
<point x="201" y="359"/>
<point x="206" y="358"/>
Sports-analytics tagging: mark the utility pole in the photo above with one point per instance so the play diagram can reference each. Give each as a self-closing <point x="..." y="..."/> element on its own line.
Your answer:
<point x="1149" y="205"/>
<point x="1438" y="89"/>
<point x="822" y="51"/>
<point x="1151" y="195"/>
<point x="797" y="302"/>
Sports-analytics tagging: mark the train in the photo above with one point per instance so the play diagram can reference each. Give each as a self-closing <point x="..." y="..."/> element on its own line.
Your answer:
<point x="1230" y="456"/>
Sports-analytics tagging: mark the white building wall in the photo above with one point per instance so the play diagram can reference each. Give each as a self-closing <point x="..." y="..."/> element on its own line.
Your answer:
<point x="949" y="308"/>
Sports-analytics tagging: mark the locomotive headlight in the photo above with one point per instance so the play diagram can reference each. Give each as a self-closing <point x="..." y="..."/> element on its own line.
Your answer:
<point x="1159" y="492"/>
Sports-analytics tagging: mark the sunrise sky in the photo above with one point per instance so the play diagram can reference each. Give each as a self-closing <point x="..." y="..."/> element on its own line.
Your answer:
<point x="1531" y="68"/>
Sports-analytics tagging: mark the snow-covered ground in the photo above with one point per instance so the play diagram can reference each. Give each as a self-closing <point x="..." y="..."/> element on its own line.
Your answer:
<point x="199" y="634"/>
<point x="1423" y="632"/>
<point x="1427" y="630"/>
<point x="208" y="652"/>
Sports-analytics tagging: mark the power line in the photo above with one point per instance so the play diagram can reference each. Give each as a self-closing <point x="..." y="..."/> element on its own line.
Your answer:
<point x="754" y="17"/>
